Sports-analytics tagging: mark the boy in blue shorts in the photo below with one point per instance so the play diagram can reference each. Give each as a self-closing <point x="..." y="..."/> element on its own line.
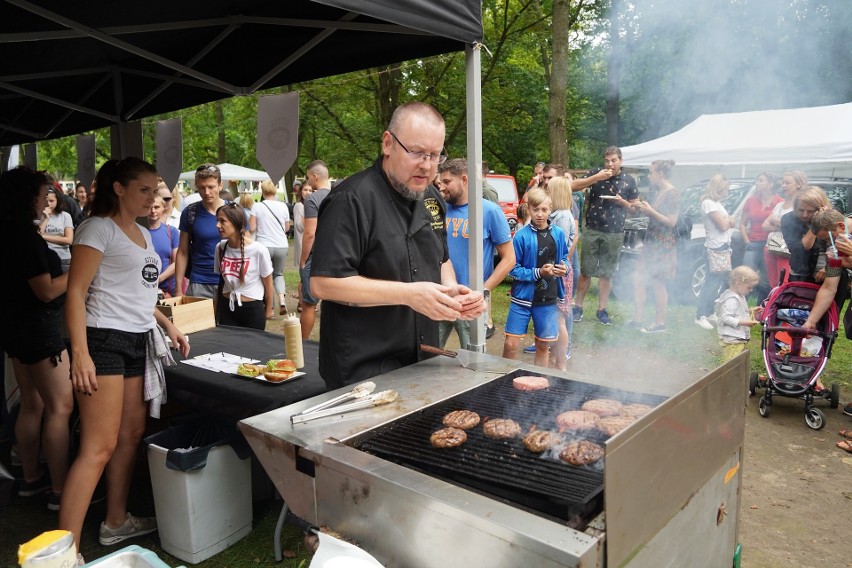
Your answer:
<point x="542" y="259"/>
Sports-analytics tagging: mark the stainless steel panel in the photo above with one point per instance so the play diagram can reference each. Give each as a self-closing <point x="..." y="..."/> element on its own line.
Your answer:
<point x="699" y="535"/>
<point x="406" y="518"/>
<point x="657" y="466"/>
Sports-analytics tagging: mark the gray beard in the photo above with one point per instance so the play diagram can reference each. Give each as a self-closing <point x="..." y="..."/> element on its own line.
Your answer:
<point x="402" y="189"/>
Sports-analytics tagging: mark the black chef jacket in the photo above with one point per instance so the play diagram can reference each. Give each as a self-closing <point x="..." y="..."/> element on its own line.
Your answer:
<point x="365" y="228"/>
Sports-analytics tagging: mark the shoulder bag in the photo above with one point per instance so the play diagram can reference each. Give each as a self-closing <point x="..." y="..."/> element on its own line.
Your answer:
<point x="776" y="245"/>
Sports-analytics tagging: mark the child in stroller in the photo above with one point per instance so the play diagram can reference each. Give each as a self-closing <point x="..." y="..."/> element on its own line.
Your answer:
<point x="796" y="356"/>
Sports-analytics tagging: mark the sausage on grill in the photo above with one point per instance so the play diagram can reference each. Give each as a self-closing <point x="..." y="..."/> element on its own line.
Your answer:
<point x="582" y="453"/>
<point x="448" y="438"/>
<point x="461" y="419"/>
<point x="501" y="429"/>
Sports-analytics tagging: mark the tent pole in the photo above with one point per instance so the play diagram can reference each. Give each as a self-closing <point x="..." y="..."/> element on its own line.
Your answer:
<point x="473" y="82"/>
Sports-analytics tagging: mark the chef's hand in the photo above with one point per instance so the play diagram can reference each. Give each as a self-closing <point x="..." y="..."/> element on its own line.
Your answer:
<point x="473" y="302"/>
<point x="433" y="301"/>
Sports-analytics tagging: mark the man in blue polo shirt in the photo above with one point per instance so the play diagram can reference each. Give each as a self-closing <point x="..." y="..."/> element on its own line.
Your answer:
<point x="496" y="236"/>
<point x="199" y="236"/>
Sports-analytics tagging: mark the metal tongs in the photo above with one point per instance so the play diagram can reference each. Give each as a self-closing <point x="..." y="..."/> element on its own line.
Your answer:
<point x="378" y="399"/>
<point x="359" y="391"/>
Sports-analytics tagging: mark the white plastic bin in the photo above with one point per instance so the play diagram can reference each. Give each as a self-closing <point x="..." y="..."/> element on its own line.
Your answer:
<point x="202" y="507"/>
<point x="132" y="556"/>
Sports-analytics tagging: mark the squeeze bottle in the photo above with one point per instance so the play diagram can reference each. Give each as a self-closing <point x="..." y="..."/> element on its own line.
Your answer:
<point x="293" y="340"/>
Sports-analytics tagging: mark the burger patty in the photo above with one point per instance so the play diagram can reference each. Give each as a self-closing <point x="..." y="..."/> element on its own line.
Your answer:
<point x="530" y="383"/>
<point x="448" y="438"/>
<point x="582" y="453"/>
<point x="577" y="420"/>
<point x="636" y="410"/>
<point x="603" y="407"/>
<point x="538" y="441"/>
<point x="612" y="425"/>
<point x="461" y="419"/>
<point x="502" y="429"/>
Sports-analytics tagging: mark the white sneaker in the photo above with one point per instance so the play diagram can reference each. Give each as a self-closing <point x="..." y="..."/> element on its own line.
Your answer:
<point x="702" y="322"/>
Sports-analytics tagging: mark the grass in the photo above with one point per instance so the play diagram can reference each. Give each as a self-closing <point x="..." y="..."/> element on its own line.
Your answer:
<point x="684" y="342"/>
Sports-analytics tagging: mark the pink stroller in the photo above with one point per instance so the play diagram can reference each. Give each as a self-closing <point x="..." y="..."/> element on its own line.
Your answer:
<point x="795" y="356"/>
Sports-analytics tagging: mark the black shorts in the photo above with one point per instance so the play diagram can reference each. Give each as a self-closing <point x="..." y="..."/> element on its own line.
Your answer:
<point x="116" y="352"/>
<point x="34" y="340"/>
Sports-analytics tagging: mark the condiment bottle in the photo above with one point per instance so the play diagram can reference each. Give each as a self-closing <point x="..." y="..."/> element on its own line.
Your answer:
<point x="293" y="340"/>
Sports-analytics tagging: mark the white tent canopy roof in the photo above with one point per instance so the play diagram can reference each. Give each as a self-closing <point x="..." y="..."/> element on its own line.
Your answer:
<point x="814" y="135"/>
<point x="231" y="172"/>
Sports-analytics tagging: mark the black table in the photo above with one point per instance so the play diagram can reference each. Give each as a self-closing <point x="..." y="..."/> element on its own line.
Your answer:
<point x="226" y="396"/>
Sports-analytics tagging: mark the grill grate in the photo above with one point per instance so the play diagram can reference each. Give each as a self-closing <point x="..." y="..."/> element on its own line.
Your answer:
<point x="542" y="483"/>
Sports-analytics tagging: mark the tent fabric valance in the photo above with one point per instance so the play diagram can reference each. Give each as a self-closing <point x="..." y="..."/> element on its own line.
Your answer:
<point x="815" y="135"/>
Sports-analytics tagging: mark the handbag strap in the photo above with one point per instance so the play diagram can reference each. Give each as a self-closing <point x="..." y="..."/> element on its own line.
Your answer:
<point x="274" y="215"/>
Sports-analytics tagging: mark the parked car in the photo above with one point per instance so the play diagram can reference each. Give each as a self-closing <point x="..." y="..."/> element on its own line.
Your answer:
<point x="691" y="255"/>
<point x="507" y="194"/>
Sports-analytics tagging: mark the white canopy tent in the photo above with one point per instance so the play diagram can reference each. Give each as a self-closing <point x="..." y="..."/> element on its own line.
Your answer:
<point x="815" y="139"/>
<point x="232" y="172"/>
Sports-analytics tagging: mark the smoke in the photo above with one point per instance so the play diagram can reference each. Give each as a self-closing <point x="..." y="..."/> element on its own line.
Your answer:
<point x="680" y="59"/>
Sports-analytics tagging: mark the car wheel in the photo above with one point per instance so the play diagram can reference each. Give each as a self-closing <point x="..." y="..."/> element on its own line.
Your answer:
<point x="690" y="281"/>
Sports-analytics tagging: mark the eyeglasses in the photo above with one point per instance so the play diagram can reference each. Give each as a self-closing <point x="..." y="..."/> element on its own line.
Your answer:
<point x="418" y="156"/>
<point x="207" y="168"/>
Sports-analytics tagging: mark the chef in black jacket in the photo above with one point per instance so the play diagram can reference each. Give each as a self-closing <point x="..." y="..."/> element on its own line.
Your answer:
<point x="380" y="259"/>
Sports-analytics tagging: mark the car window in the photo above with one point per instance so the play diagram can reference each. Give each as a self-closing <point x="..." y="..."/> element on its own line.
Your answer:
<point x="837" y="195"/>
<point x="505" y="189"/>
<point x="691" y="198"/>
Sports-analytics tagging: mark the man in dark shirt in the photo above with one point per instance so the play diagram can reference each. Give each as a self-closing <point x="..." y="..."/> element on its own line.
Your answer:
<point x="611" y="196"/>
<point x="380" y="259"/>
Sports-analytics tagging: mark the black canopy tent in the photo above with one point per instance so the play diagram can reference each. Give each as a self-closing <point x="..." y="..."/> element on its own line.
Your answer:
<point x="79" y="65"/>
<point x="73" y="66"/>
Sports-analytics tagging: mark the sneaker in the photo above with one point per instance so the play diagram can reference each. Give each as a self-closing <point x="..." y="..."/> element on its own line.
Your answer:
<point x="489" y="331"/>
<point x="37" y="487"/>
<point x="603" y="317"/>
<point x="530" y="350"/>
<point x="847" y="410"/>
<point x="702" y="322"/>
<point x="577" y="313"/>
<point x="568" y="354"/>
<point x="656" y="328"/>
<point x="53" y="499"/>
<point x="132" y="527"/>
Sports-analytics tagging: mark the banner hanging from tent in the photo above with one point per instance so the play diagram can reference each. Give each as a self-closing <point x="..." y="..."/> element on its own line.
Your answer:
<point x="170" y="150"/>
<point x="277" y="133"/>
<point x="86" y="160"/>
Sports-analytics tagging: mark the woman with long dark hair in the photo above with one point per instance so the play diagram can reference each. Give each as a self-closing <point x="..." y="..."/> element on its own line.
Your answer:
<point x="111" y="313"/>
<point x="57" y="227"/>
<point x="31" y="334"/>
<point x="246" y="271"/>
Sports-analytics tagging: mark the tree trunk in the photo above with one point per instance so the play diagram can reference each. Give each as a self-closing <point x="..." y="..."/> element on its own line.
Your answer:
<point x="557" y="133"/>
<point x="613" y="75"/>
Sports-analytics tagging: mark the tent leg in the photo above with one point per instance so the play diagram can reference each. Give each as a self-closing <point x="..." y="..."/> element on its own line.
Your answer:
<point x="473" y="75"/>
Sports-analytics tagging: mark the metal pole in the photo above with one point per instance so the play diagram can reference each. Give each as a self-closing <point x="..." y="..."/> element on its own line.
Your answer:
<point x="473" y="82"/>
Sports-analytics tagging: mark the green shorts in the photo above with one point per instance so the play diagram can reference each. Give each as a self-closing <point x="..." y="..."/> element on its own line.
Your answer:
<point x="599" y="253"/>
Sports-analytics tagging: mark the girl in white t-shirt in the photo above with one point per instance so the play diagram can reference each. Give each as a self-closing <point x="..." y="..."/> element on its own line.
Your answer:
<point x="717" y="225"/>
<point x="57" y="228"/>
<point x="246" y="271"/>
<point x="110" y="309"/>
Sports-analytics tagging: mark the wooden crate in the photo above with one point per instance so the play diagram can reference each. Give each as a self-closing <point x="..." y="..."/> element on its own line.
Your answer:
<point x="189" y="314"/>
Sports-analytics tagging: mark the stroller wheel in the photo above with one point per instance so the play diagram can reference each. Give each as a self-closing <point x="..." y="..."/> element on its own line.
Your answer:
<point x="814" y="418"/>
<point x="835" y="395"/>
<point x="752" y="383"/>
<point x="763" y="408"/>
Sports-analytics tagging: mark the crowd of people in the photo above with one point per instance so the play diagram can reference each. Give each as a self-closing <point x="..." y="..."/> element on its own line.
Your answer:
<point x="387" y="249"/>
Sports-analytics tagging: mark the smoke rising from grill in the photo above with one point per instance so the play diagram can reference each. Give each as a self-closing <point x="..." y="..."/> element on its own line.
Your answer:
<point x="683" y="59"/>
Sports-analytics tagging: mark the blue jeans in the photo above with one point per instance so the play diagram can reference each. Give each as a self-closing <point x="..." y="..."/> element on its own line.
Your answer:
<point x="575" y="264"/>
<point x="754" y="259"/>
<point x="714" y="283"/>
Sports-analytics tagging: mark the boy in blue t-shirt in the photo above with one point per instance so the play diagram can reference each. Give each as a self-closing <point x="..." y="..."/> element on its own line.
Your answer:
<point x="541" y="260"/>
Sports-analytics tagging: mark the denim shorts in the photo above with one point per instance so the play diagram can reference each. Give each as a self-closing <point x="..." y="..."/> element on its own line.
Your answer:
<point x="116" y="352"/>
<point x="305" y="275"/>
<point x="545" y="321"/>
